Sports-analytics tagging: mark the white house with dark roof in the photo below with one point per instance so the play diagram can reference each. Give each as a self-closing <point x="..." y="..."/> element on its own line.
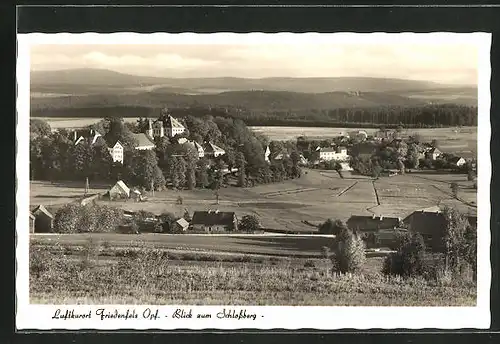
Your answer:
<point x="165" y="125"/>
<point x="213" y="150"/>
<point x="330" y="153"/>
<point x="116" y="152"/>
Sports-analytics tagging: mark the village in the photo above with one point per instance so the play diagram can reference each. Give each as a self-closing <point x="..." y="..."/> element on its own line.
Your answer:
<point x="352" y="156"/>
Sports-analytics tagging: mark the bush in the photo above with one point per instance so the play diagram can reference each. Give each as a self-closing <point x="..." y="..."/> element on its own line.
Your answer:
<point x="350" y="252"/>
<point x="409" y="260"/>
<point x="76" y="218"/>
<point x="309" y="264"/>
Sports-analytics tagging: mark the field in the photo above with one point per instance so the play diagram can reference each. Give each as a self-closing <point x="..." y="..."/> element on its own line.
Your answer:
<point x="152" y="276"/>
<point x="315" y="197"/>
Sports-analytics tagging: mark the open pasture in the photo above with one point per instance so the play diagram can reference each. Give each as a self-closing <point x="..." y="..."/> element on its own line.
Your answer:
<point x="272" y="245"/>
<point x="285" y="206"/>
<point x="59" y="193"/>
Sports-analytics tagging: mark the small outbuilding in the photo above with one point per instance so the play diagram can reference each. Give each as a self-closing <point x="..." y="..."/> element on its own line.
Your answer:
<point x="44" y="220"/>
<point x="181" y="225"/>
<point x="119" y="190"/>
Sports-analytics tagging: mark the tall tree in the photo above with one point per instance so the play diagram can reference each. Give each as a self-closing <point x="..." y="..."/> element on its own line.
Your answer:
<point x="201" y="173"/>
<point x="118" y="131"/>
<point x="240" y="162"/>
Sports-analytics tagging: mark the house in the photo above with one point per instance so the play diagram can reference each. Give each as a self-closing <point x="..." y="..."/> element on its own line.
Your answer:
<point x="433" y="153"/>
<point x="116" y="152"/>
<point x="199" y="149"/>
<point x="429" y="223"/>
<point x="44" y="220"/>
<point x="32" y="223"/>
<point x="165" y="125"/>
<point x="181" y="225"/>
<point x="144" y="141"/>
<point x="373" y="223"/>
<point x="337" y="154"/>
<point x="89" y="135"/>
<point x="214" y="221"/>
<point x="280" y="155"/>
<point x="119" y="190"/>
<point x="302" y="160"/>
<point x="213" y="150"/>
<point x="359" y="135"/>
<point x="457" y="161"/>
<point x="267" y="153"/>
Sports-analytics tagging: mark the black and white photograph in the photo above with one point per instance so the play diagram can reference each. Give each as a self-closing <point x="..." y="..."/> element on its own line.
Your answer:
<point x="254" y="170"/>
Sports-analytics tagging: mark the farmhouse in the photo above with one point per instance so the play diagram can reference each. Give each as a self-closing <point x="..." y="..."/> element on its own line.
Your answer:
<point x="199" y="149"/>
<point x="165" y="125"/>
<point x="214" y="221"/>
<point x="213" y="150"/>
<point x="89" y="135"/>
<point x="44" y="219"/>
<point x="32" y="223"/>
<point x="116" y="152"/>
<point x="433" y="153"/>
<point x="144" y="141"/>
<point x="119" y="190"/>
<point x="373" y="223"/>
<point x="457" y="161"/>
<point x="337" y="154"/>
<point x="360" y="135"/>
<point x="180" y="225"/>
<point x="431" y="224"/>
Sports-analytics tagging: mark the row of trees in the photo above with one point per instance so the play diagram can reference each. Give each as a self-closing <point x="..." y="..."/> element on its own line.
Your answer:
<point x="426" y="116"/>
<point x="55" y="156"/>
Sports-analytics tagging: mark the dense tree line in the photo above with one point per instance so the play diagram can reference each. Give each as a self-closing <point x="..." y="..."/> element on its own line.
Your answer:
<point x="425" y="116"/>
<point x="55" y="156"/>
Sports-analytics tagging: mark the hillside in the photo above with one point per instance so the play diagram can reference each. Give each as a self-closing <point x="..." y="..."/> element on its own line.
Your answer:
<point x="76" y="80"/>
<point x="252" y="100"/>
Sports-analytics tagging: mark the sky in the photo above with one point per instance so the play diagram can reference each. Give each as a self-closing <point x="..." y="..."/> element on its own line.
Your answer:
<point x="452" y="63"/>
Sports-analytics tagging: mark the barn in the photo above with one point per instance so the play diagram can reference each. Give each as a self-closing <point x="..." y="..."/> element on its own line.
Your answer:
<point x="214" y="221"/>
<point x="44" y="219"/>
<point x="119" y="190"/>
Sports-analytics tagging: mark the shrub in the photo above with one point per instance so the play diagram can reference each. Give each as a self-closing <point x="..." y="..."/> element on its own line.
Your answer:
<point x="350" y="252"/>
<point x="309" y="264"/>
<point x="326" y="252"/>
<point x="409" y="260"/>
<point x="76" y="218"/>
<point x="249" y="223"/>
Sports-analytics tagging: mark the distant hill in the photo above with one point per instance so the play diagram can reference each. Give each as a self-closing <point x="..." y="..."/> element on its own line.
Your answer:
<point x="252" y="100"/>
<point x="75" y="80"/>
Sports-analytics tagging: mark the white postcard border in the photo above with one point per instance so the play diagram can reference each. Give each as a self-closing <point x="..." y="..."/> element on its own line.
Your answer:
<point x="268" y="317"/>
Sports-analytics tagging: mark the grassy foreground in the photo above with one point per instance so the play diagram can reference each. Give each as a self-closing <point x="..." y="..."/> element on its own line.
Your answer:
<point x="151" y="276"/>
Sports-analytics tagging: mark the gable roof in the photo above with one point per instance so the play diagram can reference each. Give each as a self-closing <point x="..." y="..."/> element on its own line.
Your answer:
<point x="359" y="221"/>
<point x="213" y="148"/>
<point x="182" y="222"/>
<point x="32" y="216"/>
<point x="456" y="159"/>
<point x="116" y="143"/>
<point x="434" y="150"/>
<point x="169" y="122"/>
<point x="213" y="217"/>
<point x="122" y="186"/>
<point x="426" y="222"/>
<point x="42" y="209"/>
<point x="143" y="140"/>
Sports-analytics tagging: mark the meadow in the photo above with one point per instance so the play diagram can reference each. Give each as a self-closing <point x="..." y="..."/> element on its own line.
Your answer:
<point x="154" y="276"/>
<point x="313" y="198"/>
